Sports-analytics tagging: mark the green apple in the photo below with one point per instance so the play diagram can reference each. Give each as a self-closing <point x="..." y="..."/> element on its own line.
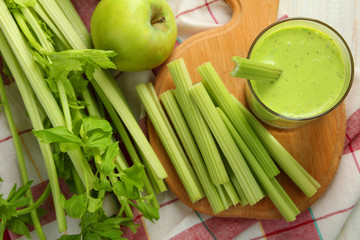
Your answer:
<point x="142" y="32"/>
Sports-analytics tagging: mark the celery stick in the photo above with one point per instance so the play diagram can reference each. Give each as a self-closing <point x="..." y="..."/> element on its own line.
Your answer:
<point x="196" y="122"/>
<point x="226" y="201"/>
<point x="227" y="145"/>
<point x="285" y="196"/>
<point x="231" y="192"/>
<point x="171" y="144"/>
<point x="240" y="192"/>
<point x="249" y="69"/>
<point x="34" y="115"/>
<point x="34" y="75"/>
<point x="222" y="97"/>
<point x="191" y="149"/>
<point x="282" y="157"/>
<point x="279" y="197"/>
<point x="242" y="198"/>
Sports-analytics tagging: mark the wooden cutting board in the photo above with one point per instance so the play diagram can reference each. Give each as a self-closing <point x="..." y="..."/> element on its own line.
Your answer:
<point x="317" y="146"/>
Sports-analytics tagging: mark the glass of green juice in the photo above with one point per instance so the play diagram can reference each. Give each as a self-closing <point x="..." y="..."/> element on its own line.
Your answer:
<point x="317" y="72"/>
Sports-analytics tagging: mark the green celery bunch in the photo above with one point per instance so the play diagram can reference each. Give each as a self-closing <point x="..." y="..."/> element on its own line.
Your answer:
<point x="61" y="81"/>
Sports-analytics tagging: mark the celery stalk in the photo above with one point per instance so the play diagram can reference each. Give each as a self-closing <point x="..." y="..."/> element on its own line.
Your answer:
<point x="111" y="90"/>
<point x="120" y="160"/>
<point x="107" y="83"/>
<point x="36" y="120"/>
<point x="45" y="18"/>
<point x="222" y="97"/>
<point x="20" y="20"/>
<point x="34" y="75"/>
<point x="31" y="19"/>
<point x="187" y="140"/>
<point x="63" y="23"/>
<point x="279" y="197"/>
<point x="171" y="144"/>
<point x="226" y="143"/>
<point x="282" y="157"/>
<point x="250" y="69"/>
<point x="196" y="122"/>
<point x="36" y="204"/>
<point x="71" y="13"/>
<point x="20" y="157"/>
<point x="157" y="183"/>
<point x="64" y="104"/>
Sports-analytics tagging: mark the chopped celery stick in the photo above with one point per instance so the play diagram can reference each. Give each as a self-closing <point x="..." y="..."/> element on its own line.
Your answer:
<point x="280" y="199"/>
<point x="236" y="184"/>
<point x="282" y="157"/>
<point x="196" y="123"/>
<point x="231" y="192"/>
<point x="249" y="69"/>
<point x="285" y="196"/>
<point x="191" y="149"/>
<point x="224" y="196"/>
<point x="226" y="143"/>
<point x="240" y="192"/>
<point x="218" y="91"/>
<point x="171" y="144"/>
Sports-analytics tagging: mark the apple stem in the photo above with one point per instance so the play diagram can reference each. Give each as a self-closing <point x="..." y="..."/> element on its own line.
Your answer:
<point x="158" y="20"/>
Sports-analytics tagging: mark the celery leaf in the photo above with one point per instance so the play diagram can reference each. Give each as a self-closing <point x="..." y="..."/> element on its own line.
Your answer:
<point x="108" y="163"/>
<point x="148" y="211"/>
<point x="133" y="176"/>
<point x="57" y="135"/>
<point x="75" y="206"/>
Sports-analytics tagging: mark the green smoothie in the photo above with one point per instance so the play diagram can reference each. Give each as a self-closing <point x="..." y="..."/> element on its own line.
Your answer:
<point x="313" y="74"/>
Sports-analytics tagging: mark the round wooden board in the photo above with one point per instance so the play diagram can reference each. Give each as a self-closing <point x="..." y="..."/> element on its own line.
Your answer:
<point x="317" y="146"/>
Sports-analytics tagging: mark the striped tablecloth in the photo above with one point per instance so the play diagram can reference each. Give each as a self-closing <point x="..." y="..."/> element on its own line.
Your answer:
<point x="323" y="220"/>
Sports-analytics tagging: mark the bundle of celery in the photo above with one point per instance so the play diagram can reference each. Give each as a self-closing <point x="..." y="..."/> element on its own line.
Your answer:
<point x="241" y="145"/>
<point x="60" y="78"/>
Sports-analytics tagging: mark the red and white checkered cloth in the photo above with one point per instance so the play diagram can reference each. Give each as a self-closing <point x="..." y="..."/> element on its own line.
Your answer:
<point x="323" y="220"/>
